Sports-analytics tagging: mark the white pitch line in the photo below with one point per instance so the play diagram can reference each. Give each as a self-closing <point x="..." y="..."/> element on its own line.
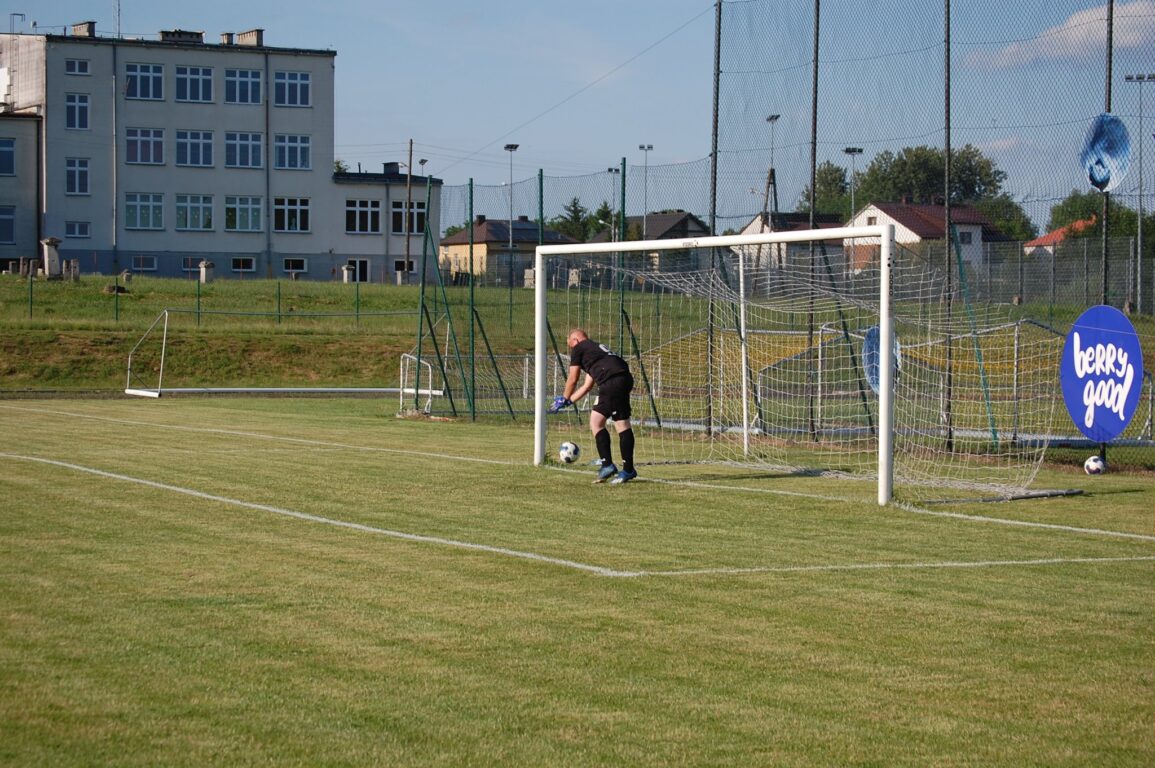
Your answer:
<point x="893" y="566"/>
<point x="497" y="462"/>
<point x="571" y="564"/>
<point x="325" y="520"/>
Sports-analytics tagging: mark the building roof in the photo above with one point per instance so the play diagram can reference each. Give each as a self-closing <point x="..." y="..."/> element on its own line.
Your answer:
<point x="1057" y="236"/>
<point x="664" y="225"/>
<point x="496" y="232"/>
<point x="926" y="221"/>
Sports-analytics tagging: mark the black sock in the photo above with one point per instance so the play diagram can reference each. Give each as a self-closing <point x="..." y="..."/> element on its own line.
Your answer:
<point x="626" y="443"/>
<point x="602" y="439"/>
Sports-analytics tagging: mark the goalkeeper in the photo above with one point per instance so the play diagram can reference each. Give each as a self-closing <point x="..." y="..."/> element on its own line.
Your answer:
<point x="615" y="382"/>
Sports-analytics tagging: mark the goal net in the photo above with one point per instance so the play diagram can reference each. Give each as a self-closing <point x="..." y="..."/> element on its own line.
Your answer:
<point x="770" y="351"/>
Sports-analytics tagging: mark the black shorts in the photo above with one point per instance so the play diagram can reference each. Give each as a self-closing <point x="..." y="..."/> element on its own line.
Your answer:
<point x="614" y="397"/>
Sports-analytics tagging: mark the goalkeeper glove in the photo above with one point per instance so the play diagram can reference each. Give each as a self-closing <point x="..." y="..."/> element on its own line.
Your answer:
<point x="559" y="402"/>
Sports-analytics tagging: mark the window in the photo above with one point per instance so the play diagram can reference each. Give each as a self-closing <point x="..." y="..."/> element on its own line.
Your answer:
<point x="7" y="157"/>
<point x="194" y="213"/>
<point x="363" y="217"/>
<point x="7" y="224"/>
<point x="76" y="67"/>
<point x="244" y="264"/>
<point x="291" y="152"/>
<point x="964" y="238"/>
<point x="291" y="214"/>
<point x="144" y="81"/>
<point x="194" y="148"/>
<point x="78" y="230"/>
<point x="194" y="84"/>
<point x="242" y="150"/>
<point x="871" y="221"/>
<point x="243" y="214"/>
<point x="191" y="263"/>
<point x="142" y="263"/>
<point x="76" y="111"/>
<point x="144" y="146"/>
<point x="295" y="265"/>
<point x="416" y="218"/>
<point x="291" y="89"/>
<point x="143" y="210"/>
<point x="399" y="265"/>
<point x="242" y="86"/>
<point x="76" y="175"/>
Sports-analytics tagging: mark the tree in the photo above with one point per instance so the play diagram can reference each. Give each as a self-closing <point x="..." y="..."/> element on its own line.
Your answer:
<point x="574" y="221"/>
<point x="1079" y="206"/>
<point x="1008" y="217"/>
<point x="917" y="174"/>
<point x="832" y="191"/>
<point x="453" y="229"/>
<point x="340" y="166"/>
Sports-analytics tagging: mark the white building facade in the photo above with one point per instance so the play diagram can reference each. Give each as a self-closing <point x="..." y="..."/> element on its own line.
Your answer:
<point x="157" y="155"/>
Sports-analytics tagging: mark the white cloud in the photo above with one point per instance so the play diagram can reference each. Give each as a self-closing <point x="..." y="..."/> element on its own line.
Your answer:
<point x="1083" y="33"/>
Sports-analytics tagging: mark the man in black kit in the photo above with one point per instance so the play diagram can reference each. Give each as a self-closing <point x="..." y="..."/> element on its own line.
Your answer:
<point x="615" y="382"/>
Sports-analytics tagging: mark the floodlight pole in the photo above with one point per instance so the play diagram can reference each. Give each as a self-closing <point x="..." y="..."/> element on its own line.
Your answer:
<point x="511" y="148"/>
<point x="854" y="152"/>
<point x="613" y="172"/>
<point x="1140" y="79"/>
<point x="646" y="185"/>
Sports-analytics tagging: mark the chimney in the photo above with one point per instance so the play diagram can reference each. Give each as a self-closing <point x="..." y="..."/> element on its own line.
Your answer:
<point x="181" y="36"/>
<point x="523" y="218"/>
<point x="84" y="29"/>
<point x="481" y="218"/>
<point x="253" y="37"/>
<point x="228" y="38"/>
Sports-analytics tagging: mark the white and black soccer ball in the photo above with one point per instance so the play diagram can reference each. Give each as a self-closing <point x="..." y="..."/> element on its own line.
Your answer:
<point x="1094" y="465"/>
<point x="568" y="452"/>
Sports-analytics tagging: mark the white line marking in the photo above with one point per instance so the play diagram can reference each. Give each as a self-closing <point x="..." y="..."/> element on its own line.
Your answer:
<point x="572" y="564"/>
<point x="498" y="462"/>
<point x="893" y="566"/>
<point x="326" y="520"/>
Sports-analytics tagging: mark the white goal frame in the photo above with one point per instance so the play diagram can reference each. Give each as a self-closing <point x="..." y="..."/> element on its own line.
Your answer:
<point x="885" y="235"/>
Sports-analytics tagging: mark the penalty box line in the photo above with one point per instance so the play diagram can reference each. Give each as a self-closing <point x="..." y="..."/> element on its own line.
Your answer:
<point x="910" y="508"/>
<point x="561" y="562"/>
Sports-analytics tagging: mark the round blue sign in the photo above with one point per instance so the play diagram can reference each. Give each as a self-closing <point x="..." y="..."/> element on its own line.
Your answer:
<point x="1102" y="373"/>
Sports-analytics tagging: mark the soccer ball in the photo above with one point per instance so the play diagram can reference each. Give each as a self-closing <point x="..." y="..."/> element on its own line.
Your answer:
<point x="1094" y="465"/>
<point x="569" y="452"/>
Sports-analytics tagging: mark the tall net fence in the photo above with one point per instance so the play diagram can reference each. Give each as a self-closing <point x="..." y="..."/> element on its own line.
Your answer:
<point x="865" y="124"/>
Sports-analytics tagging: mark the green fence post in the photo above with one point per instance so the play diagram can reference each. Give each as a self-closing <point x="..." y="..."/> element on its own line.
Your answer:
<point x="278" y="302"/>
<point x="31" y="269"/>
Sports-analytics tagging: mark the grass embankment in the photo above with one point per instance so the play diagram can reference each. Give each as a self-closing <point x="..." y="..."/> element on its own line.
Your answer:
<point x="77" y="336"/>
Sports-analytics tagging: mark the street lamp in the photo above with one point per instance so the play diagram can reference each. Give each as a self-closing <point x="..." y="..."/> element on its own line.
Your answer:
<point x="854" y="152"/>
<point x="645" y="185"/>
<point x="511" y="148"/>
<point x="1140" y="79"/>
<point x="613" y="172"/>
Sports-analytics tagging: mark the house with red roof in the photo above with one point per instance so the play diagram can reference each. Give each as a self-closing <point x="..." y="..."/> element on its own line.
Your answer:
<point x="1046" y="244"/>
<point x="915" y="224"/>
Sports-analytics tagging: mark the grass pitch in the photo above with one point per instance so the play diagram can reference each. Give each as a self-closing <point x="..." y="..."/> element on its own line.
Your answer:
<point x="316" y="582"/>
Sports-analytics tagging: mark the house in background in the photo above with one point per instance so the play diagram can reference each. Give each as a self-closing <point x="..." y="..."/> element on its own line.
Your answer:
<point x="500" y="256"/>
<point x="918" y="224"/>
<point x="157" y="154"/>
<point x="1046" y="244"/>
<point x="778" y="255"/>
<point x="660" y="225"/>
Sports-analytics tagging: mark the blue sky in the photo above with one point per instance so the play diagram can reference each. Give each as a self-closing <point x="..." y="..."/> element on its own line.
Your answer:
<point x="580" y="85"/>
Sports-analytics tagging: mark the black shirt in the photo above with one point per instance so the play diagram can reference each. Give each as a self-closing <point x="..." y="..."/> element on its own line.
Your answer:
<point x="597" y="360"/>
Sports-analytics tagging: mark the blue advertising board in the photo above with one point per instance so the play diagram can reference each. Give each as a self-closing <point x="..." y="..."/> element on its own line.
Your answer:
<point x="1102" y="373"/>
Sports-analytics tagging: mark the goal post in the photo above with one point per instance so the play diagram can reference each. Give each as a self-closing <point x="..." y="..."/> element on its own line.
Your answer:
<point x="836" y="353"/>
<point x="738" y="248"/>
